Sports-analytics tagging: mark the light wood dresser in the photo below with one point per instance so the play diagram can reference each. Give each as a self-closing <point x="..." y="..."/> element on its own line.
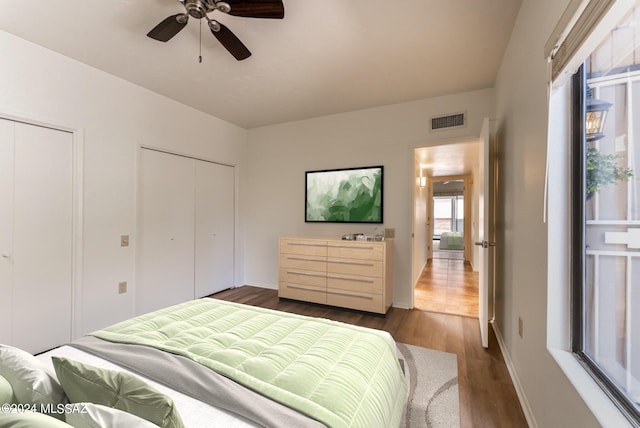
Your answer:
<point x="331" y="271"/>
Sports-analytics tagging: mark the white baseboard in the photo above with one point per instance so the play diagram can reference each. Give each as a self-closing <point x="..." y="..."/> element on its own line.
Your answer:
<point x="268" y="286"/>
<point x="400" y="305"/>
<point x="526" y="408"/>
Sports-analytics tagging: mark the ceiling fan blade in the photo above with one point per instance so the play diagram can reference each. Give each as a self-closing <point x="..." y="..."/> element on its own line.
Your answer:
<point x="273" y="9"/>
<point x="168" y="28"/>
<point x="231" y="43"/>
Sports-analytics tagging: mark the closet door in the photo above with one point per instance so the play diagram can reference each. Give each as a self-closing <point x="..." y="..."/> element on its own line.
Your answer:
<point x="6" y="228"/>
<point x="37" y="258"/>
<point x="214" y="264"/>
<point x="166" y="231"/>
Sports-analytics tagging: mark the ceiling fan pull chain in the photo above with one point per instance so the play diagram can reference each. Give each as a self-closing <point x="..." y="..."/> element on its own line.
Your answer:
<point x="200" y="53"/>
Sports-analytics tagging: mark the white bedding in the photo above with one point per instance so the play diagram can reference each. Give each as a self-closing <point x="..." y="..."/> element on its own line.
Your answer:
<point x="194" y="413"/>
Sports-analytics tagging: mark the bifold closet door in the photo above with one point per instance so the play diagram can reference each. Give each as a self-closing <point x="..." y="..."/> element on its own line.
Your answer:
<point x="214" y="228"/>
<point x="36" y="240"/>
<point x="186" y="229"/>
<point x="6" y="229"/>
<point x="166" y="231"/>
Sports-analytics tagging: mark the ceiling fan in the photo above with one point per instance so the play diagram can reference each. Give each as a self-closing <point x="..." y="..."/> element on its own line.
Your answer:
<point x="198" y="9"/>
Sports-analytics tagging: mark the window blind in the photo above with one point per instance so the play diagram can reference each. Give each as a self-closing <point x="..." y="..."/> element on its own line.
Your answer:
<point x="582" y="26"/>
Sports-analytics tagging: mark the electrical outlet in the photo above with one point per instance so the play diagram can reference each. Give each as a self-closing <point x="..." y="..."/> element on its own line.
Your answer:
<point x="520" y="326"/>
<point x="389" y="233"/>
<point x="122" y="287"/>
<point x="124" y="240"/>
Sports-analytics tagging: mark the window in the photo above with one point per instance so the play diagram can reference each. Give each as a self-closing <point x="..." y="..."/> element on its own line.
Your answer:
<point x="448" y="214"/>
<point x="606" y="215"/>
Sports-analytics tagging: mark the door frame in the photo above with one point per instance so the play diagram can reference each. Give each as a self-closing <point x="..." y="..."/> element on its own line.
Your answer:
<point x="418" y="265"/>
<point x="489" y="133"/>
<point x="77" y="192"/>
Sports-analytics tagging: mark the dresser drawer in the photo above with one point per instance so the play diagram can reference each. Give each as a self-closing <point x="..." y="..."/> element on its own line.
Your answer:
<point x="303" y="277"/>
<point x="302" y="247"/>
<point x="361" y="301"/>
<point x="303" y="262"/>
<point x="353" y="250"/>
<point x="361" y="284"/>
<point x="302" y="292"/>
<point x="372" y="268"/>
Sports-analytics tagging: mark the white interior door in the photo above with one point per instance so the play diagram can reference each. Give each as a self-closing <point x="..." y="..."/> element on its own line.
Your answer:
<point x="6" y="228"/>
<point x="166" y="231"/>
<point x="36" y="235"/>
<point x="43" y="237"/>
<point x="485" y="231"/>
<point x="214" y="264"/>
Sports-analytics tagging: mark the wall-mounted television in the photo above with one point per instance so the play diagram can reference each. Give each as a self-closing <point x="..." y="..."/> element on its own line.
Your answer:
<point x="348" y="195"/>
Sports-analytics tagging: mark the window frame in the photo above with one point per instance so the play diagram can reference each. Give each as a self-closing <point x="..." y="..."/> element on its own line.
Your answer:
<point x="578" y="253"/>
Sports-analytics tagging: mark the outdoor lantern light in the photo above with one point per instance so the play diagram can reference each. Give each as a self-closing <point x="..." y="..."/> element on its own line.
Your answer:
<point x="595" y="117"/>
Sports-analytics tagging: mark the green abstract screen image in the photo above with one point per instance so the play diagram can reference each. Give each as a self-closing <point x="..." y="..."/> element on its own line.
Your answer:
<point x="351" y="195"/>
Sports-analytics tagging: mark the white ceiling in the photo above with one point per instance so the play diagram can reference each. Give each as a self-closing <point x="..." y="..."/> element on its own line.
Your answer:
<point x="325" y="57"/>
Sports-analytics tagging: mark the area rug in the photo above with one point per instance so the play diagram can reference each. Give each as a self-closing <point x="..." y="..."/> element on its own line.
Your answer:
<point x="433" y="388"/>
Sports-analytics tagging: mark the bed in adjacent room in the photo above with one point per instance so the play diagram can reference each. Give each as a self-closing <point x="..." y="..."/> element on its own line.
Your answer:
<point x="227" y="364"/>
<point x="451" y="241"/>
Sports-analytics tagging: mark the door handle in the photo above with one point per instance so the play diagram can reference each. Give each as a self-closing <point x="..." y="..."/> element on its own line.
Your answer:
<point x="485" y="244"/>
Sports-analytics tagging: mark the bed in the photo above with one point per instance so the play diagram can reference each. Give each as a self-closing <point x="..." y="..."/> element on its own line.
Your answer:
<point x="227" y="364"/>
<point x="451" y="241"/>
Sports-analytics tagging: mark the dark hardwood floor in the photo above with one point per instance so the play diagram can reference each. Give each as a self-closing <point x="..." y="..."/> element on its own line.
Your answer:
<point x="487" y="396"/>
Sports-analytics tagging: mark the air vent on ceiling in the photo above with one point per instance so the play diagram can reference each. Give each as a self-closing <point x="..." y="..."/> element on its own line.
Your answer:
<point x="445" y="122"/>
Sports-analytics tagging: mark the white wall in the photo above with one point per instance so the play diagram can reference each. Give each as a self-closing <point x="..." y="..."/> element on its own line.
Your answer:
<point x="279" y="155"/>
<point x="115" y="117"/>
<point x="522" y="107"/>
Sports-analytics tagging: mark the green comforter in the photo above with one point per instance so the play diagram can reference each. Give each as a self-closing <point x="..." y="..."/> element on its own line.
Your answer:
<point x="338" y="374"/>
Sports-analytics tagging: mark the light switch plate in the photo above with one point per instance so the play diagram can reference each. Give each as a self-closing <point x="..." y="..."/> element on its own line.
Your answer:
<point x="122" y="287"/>
<point x="124" y="240"/>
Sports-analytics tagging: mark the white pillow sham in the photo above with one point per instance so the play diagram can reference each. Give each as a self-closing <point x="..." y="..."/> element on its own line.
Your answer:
<point x="31" y="380"/>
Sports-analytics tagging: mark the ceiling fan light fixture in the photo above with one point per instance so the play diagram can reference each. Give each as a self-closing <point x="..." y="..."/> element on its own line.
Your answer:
<point x="214" y="25"/>
<point x="196" y="8"/>
<point x="223" y="7"/>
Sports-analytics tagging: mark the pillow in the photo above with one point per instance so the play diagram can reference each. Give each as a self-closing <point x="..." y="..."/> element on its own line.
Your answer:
<point x="6" y="391"/>
<point x="120" y="390"/>
<point x="30" y="379"/>
<point x="98" y="416"/>
<point x="30" y="420"/>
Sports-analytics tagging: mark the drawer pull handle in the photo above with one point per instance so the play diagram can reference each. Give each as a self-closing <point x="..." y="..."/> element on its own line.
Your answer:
<point x="368" y="281"/>
<point x="298" y="287"/>
<point x="351" y="263"/>
<point x="353" y="247"/>
<point x="350" y="295"/>
<point x="306" y="274"/>
<point x="304" y="244"/>
<point x="309" y="259"/>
